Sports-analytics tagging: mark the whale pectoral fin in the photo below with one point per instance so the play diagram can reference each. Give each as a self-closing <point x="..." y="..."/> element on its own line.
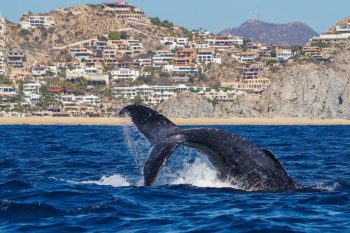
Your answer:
<point x="157" y="156"/>
<point x="272" y="156"/>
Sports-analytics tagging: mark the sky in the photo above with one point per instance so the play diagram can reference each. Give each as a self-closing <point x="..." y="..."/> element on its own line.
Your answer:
<point x="212" y="15"/>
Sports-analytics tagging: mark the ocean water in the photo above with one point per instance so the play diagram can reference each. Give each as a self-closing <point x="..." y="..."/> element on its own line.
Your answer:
<point x="89" y="179"/>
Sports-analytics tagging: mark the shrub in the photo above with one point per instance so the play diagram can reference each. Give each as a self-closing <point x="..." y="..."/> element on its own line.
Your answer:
<point x="24" y="32"/>
<point x="114" y="36"/>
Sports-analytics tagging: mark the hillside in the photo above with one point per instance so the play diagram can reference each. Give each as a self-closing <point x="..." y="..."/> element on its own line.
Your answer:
<point x="297" y="33"/>
<point x="81" y="23"/>
<point x="307" y="90"/>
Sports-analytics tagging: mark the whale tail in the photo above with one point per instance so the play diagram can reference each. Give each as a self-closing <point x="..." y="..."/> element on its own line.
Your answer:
<point x="232" y="156"/>
<point x="160" y="131"/>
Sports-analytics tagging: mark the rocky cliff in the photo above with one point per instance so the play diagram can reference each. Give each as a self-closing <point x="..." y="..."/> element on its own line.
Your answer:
<point x="297" y="33"/>
<point x="308" y="90"/>
<point x="311" y="90"/>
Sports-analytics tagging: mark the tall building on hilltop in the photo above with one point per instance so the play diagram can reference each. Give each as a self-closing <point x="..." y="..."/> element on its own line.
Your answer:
<point x="124" y="10"/>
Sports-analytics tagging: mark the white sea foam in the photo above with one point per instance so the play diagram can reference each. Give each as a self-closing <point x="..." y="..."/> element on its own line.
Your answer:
<point x="326" y="187"/>
<point x="114" y="180"/>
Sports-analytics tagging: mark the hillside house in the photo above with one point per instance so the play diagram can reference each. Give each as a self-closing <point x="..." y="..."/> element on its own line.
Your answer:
<point x="145" y="62"/>
<point x="39" y="70"/>
<point x="7" y="91"/>
<point x="311" y="51"/>
<point x="135" y="46"/>
<point x="124" y="10"/>
<point x="81" y="54"/>
<point x="33" y="21"/>
<point x="2" y="64"/>
<point x="222" y="95"/>
<point x="125" y="74"/>
<point x="80" y="100"/>
<point x="333" y="38"/>
<point x="162" y="58"/>
<point x="246" y="57"/>
<point x="252" y="71"/>
<point x="31" y="88"/>
<point x="284" y="54"/>
<point x="343" y="28"/>
<point x="224" y="42"/>
<point x="185" y="57"/>
<point x="149" y="94"/>
<point x="16" y="59"/>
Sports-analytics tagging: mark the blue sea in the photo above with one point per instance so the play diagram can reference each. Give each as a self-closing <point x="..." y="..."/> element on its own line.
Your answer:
<point x="89" y="179"/>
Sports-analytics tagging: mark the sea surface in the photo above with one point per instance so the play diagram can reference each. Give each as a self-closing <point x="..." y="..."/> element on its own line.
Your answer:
<point x="89" y="179"/>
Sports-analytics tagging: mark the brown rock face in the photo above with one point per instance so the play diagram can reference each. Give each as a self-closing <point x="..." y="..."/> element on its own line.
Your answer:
<point x="309" y="90"/>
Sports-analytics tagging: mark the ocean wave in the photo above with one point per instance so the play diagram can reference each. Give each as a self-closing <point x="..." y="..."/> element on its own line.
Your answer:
<point x="14" y="210"/>
<point x="15" y="184"/>
<point x="11" y="210"/>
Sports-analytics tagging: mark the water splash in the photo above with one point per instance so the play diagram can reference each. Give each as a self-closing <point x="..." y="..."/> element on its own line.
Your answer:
<point x="114" y="180"/>
<point x="137" y="145"/>
<point x="200" y="174"/>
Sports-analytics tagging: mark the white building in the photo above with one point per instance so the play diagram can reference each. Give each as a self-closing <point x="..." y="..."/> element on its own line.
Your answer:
<point x="7" y="91"/>
<point x="81" y="53"/>
<point x="207" y="55"/>
<point x="340" y="38"/>
<point x="145" y="62"/>
<point x="33" y="21"/>
<point x="284" y="54"/>
<point x="162" y="58"/>
<point x="149" y="94"/>
<point x="224" y="42"/>
<point x="93" y="71"/>
<point x="79" y="100"/>
<point x="343" y="28"/>
<point x="125" y="74"/>
<point x="2" y="64"/>
<point x="39" y="70"/>
<point x="181" y="42"/>
<point x="75" y="73"/>
<point x="223" y="95"/>
<point x="246" y="57"/>
<point x="168" y="41"/>
<point x="32" y="99"/>
<point x="181" y="70"/>
<point x="31" y="88"/>
<point x="174" y="43"/>
<point x="135" y="46"/>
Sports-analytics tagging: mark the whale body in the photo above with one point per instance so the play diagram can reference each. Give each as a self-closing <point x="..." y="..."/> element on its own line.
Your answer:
<point x="236" y="160"/>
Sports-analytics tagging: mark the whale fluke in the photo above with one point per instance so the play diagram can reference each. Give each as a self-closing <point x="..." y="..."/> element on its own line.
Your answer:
<point x="236" y="160"/>
<point x="152" y="124"/>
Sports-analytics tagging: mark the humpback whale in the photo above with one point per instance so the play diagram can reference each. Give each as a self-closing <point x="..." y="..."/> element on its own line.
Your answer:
<point x="236" y="160"/>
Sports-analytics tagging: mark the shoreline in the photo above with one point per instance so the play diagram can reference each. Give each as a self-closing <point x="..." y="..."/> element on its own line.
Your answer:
<point x="179" y="121"/>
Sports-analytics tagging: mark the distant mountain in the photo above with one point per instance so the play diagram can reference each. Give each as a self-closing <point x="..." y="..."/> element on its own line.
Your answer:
<point x="297" y="33"/>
